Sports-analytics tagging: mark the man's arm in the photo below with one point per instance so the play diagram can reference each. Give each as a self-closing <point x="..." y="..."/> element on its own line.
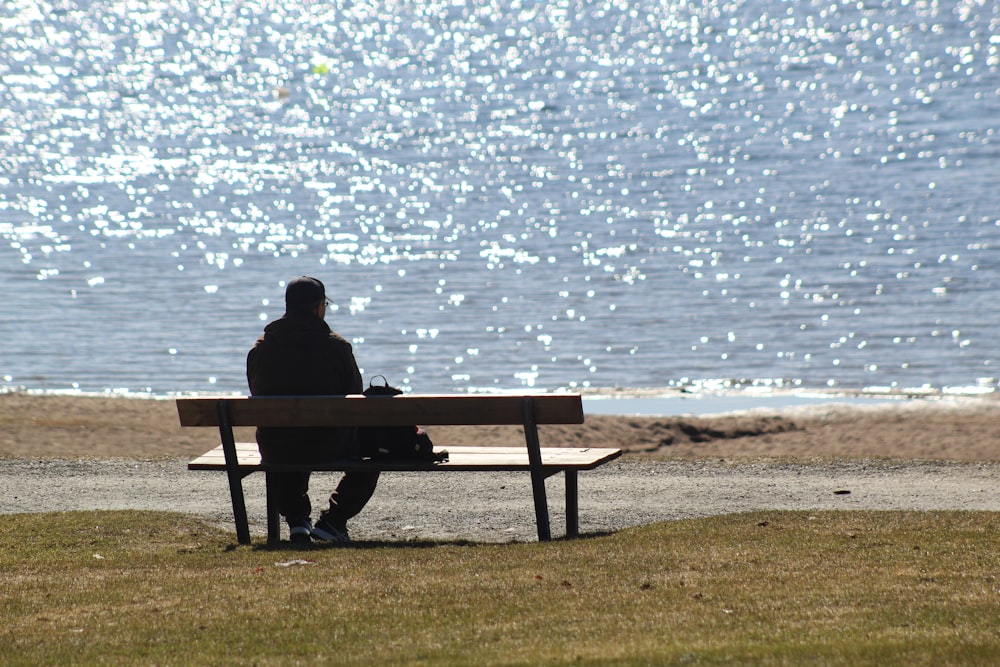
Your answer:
<point x="350" y="374"/>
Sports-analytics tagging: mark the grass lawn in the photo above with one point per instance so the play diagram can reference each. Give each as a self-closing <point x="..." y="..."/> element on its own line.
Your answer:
<point x="825" y="588"/>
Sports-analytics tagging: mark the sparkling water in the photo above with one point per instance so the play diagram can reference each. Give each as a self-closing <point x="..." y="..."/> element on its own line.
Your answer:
<point x="503" y="195"/>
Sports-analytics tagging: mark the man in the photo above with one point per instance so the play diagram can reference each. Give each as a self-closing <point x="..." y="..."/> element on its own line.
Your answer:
<point x="300" y="355"/>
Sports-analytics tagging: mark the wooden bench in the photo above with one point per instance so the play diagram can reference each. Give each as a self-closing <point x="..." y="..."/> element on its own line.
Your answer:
<point x="242" y="459"/>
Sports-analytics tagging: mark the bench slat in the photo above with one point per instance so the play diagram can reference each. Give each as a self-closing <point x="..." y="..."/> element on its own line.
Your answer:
<point x="460" y="458"/>
<point x="356" y="410"/>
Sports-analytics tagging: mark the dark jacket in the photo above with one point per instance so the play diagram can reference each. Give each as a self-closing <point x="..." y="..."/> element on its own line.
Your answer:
<point x="299" y="355"/>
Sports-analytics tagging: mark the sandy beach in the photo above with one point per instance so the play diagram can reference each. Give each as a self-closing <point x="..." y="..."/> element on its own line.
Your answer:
<point x="940" y="428"/>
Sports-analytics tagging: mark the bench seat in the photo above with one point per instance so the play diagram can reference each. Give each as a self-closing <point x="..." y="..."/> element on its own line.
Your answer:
<point x="489" y="459"/>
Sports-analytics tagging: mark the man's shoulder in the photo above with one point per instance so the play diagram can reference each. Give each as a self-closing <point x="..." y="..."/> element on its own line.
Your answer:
<point x="338" y="340"/>
<point x="257" y="344"/>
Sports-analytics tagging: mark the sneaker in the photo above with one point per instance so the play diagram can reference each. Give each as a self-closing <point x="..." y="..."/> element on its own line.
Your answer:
<point x="326" y="531"/>
<point x="299" y="530"/>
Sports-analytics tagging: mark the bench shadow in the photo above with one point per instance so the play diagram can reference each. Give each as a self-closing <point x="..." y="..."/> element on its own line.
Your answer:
<point x="292" y="547"/>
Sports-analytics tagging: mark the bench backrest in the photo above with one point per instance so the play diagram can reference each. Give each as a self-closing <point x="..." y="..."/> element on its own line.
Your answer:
<point x="356" y="410"/>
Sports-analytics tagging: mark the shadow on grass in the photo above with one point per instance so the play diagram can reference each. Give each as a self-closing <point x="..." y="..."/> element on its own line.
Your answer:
<point x="359" y="545"/>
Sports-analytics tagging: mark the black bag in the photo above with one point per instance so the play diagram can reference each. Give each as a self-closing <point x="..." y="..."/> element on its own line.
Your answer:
<point x="401" y="443"/>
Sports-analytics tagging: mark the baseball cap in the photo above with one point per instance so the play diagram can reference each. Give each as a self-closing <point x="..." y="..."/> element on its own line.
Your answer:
<point x="304" y="293"/>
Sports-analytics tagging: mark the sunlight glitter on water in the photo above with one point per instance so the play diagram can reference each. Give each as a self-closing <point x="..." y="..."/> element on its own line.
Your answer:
<point x="660" y="190"/>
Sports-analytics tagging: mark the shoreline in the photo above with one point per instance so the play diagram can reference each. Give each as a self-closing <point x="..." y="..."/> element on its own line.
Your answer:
<point x="711" y="399"/>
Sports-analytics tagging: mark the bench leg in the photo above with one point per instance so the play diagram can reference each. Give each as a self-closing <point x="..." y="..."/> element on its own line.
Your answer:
<point x="233" y="472"/>
<point x="572" y="504"/>
<point x="537" y="472"/>
<point x="273" y="522"/>
<point x="239" y="509"/>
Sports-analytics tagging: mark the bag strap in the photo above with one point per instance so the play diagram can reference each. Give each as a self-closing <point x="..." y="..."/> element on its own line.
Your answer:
<point x="385" y="381"/>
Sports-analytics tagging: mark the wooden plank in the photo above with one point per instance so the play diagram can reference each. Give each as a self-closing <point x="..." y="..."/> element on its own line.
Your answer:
<point x="460" y="458"/>
<point x="356" y="410"/>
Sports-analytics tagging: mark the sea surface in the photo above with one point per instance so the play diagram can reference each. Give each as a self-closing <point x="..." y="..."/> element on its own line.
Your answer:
<point x="504" y="195"/>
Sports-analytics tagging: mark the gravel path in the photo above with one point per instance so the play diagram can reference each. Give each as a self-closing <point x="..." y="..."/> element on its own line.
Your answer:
<point x="496" y="507"/>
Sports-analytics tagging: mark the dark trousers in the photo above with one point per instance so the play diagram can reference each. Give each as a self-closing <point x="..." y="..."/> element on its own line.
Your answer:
<point x="347" y="500"/>
<point x="313" y="446"/>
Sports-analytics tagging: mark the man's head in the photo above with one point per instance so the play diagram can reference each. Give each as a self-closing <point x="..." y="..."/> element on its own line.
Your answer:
<point x="304" y="295"/>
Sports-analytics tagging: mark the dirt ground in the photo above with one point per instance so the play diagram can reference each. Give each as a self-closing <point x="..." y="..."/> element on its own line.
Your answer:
<point x="62" y="453"/>
<point x="958" y="429"/>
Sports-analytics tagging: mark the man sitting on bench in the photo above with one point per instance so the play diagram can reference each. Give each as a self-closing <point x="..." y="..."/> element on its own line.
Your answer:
<point x="300" y="355"/>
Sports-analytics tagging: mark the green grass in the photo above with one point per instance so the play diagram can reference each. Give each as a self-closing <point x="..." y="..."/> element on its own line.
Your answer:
<point x="830" y="588"/>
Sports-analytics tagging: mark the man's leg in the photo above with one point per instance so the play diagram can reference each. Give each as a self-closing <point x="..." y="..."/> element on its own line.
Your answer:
<point x="293" y="495"/>
<point x="352" y="494"/>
